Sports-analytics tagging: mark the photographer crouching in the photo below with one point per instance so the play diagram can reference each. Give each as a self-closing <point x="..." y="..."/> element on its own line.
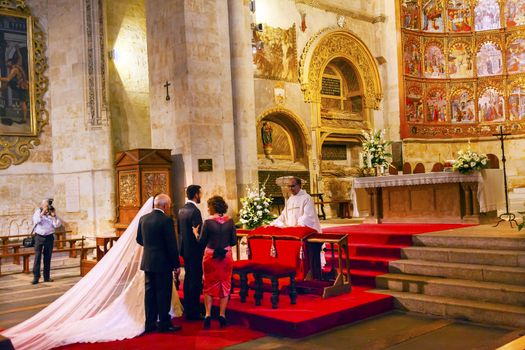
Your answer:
<point x="46" y="221"/>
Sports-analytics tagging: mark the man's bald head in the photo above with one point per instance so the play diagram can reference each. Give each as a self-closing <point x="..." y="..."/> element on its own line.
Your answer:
<point x="162" y="201"/>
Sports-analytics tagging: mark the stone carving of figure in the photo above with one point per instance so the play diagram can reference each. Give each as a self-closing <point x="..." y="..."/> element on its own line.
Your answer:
<point x="266" y="137"/>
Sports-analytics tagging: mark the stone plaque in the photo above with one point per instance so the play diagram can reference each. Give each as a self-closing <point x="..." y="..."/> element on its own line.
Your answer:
<point x="205" y="164"/>
<point x="331" y="87"/>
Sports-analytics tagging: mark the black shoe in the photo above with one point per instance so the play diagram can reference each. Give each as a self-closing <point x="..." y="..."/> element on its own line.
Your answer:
<point x="149" y="330"/>
<point x="198" y="317"/>
<point x="170" y="329"/>
<point x="222" y="321"/>
<point x="48" y="280"/>
<point x="35" y="281"/>
<point x="207" y="322"/>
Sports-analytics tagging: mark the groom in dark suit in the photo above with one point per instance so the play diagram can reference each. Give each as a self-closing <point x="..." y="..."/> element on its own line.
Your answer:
<point x="190" y="217"/>
<point x="156" y="233"/>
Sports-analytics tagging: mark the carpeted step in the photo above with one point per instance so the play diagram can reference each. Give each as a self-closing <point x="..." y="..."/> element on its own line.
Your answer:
<point x="469" y="241"/>
<point x="454" y="288"/>
<point x="364" y="278"/>
<point x="395" y="238"/>
<point x="487" y="273"/>
<point x="384" y="250"/>
<point x="466" y="256"/>
<point x="470" y="310"/>
<point x="362" y="262"/>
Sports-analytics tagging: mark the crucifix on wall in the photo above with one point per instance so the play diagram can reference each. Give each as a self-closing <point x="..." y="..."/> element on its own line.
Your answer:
<point x="167" y="85"/>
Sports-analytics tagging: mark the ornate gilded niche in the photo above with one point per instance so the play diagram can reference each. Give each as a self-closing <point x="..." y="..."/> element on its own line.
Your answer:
<point x="282" y="141"/>
<point x="463" y="68"/>
<point x="23" y="63"/>
<point x="331" y="44"/>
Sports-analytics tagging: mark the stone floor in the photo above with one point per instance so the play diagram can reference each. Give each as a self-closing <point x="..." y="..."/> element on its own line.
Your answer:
<point x="394" y="331"/>
<point x="20" y="300"/>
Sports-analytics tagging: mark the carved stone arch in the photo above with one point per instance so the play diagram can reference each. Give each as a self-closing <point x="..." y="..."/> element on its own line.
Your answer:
<point x="293" y="117"/>
<point x="334" y="43"/>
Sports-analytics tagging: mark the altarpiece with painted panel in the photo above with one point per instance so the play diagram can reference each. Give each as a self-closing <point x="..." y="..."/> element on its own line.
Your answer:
<point x="463" y="67"/>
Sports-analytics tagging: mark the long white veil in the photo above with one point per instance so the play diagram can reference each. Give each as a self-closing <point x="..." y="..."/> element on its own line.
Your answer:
<point x="107" y="304"/>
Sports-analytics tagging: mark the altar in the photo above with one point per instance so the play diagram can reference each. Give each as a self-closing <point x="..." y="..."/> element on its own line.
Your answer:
<point x="439" y="197"/>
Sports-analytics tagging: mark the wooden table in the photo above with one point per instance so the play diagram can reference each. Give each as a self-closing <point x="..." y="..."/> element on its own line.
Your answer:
<point x="104" y="244"/>
<point x="433" y="197"/>
<point x="341" y="272"/>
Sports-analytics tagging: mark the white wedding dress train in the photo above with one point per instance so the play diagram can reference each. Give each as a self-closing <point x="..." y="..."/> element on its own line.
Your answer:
<point x="107" y="304"/>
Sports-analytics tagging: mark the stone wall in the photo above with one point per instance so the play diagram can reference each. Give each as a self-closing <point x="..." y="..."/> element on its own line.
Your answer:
<point x="363" y="18"/>
<point x="128" y="74"/>
<point x="197" y="123"/>
<point x="82" y="152"/>
<point x="22" y="187"/>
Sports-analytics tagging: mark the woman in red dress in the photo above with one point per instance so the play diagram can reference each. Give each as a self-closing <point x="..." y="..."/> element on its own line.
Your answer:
<point x="218" y="235"/>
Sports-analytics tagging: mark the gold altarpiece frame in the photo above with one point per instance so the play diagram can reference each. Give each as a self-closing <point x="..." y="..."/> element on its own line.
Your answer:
<point x="23" y="63"/>
<point x="324" y="47"/>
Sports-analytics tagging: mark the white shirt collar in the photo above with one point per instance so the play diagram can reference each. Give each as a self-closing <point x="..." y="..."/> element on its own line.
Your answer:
<point x="159" y="210"/>
<point x="190" y="201"/>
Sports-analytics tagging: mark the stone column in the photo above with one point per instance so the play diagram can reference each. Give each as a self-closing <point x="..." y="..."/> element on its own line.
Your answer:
<point x="243" y="92"/>
<point x="189" y="46"/>
<point x="82" y="147"/>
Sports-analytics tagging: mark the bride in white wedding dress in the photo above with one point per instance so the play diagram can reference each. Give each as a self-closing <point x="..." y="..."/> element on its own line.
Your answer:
<point x="107" y="304"/>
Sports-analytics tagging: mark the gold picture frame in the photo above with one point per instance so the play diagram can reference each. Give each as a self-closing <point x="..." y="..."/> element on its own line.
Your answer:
<point x="23" y="111"/>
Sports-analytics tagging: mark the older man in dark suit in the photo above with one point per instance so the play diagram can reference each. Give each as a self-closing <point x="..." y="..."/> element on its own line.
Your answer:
<point x="156" y="232"/>
<point x="189" y="218"/>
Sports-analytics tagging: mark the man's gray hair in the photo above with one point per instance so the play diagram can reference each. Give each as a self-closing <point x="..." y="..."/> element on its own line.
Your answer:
<point x="161" y="200"/>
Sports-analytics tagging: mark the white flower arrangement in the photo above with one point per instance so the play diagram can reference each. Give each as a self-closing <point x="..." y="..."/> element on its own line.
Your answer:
<point x="255" y="209"/>
<point x="469" y="161"/>
<point x="375" y="152"/>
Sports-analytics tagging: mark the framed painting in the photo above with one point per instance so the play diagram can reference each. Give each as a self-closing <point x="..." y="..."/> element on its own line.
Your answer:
<point x="17" y="115"/>
<point x="23" y="82"/>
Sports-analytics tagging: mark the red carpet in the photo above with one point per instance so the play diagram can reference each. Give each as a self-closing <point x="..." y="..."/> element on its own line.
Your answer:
<point x="371" y="249"/>
<point x="192" y="336"/>
<point x="311" y="314"/>
<point x="373" y="246"/>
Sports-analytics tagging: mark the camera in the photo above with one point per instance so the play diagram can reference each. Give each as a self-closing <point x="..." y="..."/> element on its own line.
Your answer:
<point x="50" y="204"/>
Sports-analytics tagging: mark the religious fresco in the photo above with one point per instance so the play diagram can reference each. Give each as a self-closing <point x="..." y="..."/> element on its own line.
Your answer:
<point x="434" y="60"/>
<point x="412" y="58"/>
<point x="468" y="58"/>
<point x="517" y="103"/>
<point x="414" y="104"/>
<point x="410" y="14"/>
<point x="276" y="57"/>
<point x="460" y="62"/>
<point x="436" y="105"/>
<point x="515" y="13"/>
<point x="459" y="16"/>
<point x="462" y="107"/>
<point x="516" y="56"/>
<point x="487" y="15"/>
<point x="432" y="16"/>
<point x="491" y="105"/>
<point x="489" y="60"/>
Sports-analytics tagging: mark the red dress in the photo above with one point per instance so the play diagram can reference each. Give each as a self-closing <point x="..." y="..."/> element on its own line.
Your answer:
<point x="218" y="233"/>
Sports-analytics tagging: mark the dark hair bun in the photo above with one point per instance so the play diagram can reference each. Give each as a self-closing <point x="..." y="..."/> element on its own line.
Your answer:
<point x="218" y="204"/>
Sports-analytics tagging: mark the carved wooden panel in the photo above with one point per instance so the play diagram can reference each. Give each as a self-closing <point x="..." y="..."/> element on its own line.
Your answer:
<point x="128" y="182"/>
<point x="154" y="182"/>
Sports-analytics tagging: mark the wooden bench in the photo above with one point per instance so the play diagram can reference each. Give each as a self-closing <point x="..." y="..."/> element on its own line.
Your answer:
<point x="26" y="255"/>
<point x="59" y="244"/>
<point x="61" y="235"/>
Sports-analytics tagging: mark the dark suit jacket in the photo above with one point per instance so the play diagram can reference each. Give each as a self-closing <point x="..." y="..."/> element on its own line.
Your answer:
<point x="189" y="217"/>
<point x="156" y="233"/>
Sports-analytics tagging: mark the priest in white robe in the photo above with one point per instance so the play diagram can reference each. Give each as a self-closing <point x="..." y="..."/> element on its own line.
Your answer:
<point x="299" y="209"/>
